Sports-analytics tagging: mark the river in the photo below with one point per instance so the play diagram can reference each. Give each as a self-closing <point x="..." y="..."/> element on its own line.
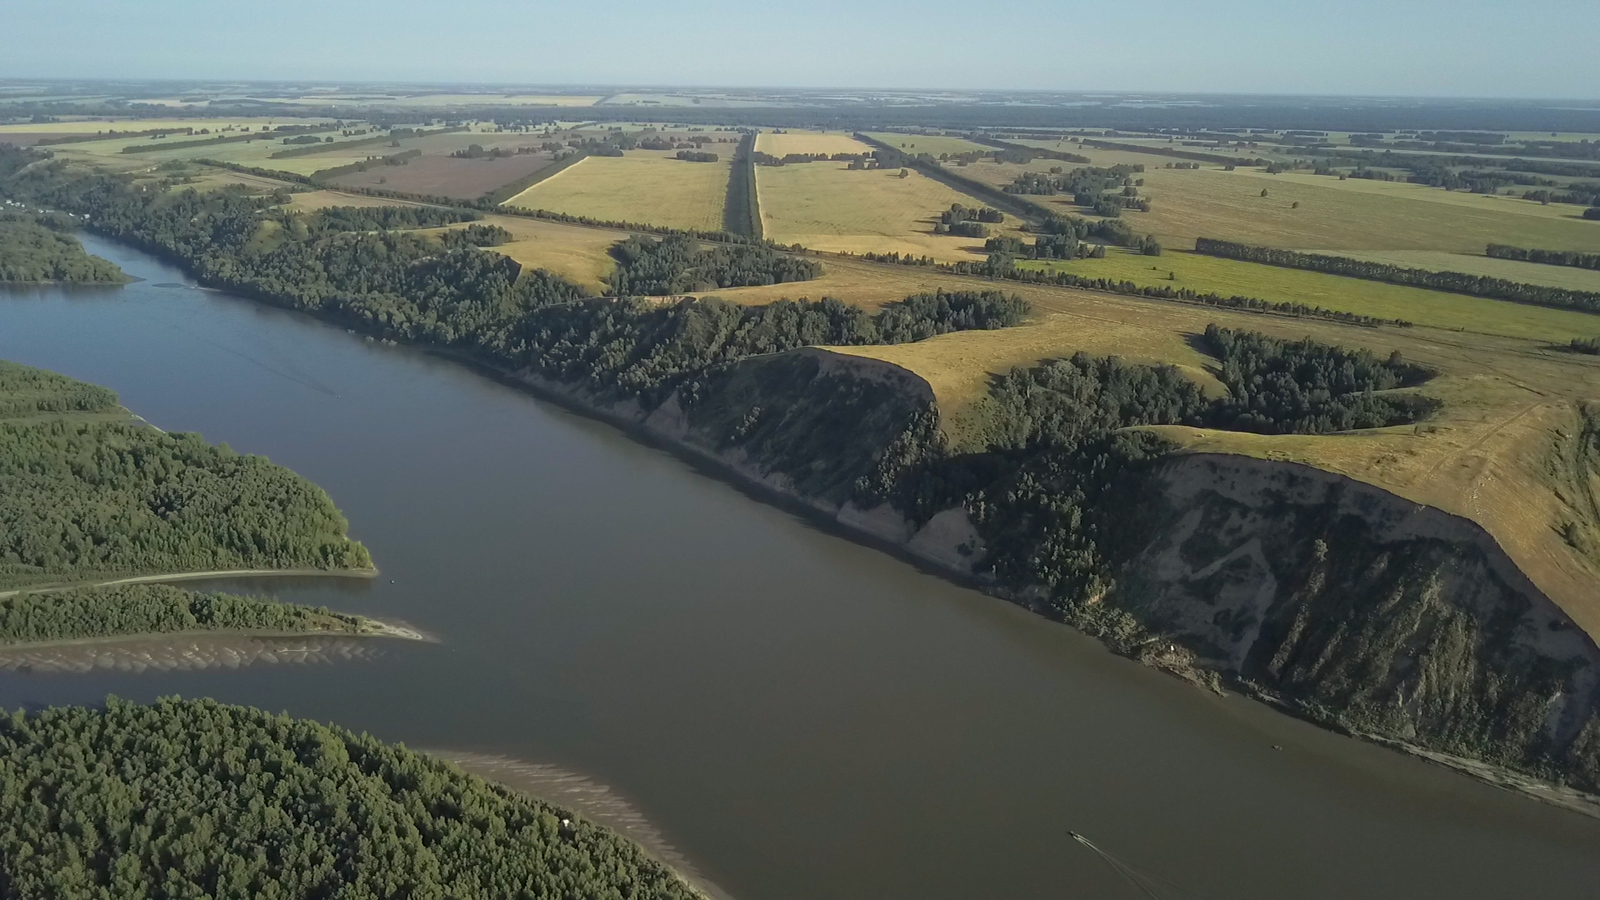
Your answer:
<point x="800" y="715"/>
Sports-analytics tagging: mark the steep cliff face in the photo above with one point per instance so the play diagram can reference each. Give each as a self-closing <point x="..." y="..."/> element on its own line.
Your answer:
<point x="1366" y="610"/>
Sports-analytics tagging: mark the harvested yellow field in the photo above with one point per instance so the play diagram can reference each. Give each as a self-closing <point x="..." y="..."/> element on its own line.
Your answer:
<point x="571" y="251"/>
<point x="829" y="142"/>
<point x="824" y="206"/>
<point x="938" y="145"/>
<point x="644" y="187"/>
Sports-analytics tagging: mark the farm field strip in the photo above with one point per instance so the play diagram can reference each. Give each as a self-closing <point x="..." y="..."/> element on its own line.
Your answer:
<point x="1336" y="292"/>
<point x="928" y="143"/>
<point x="832" y="142"/>
<point x="824" y="206"/>
<point x="647" y="187"/>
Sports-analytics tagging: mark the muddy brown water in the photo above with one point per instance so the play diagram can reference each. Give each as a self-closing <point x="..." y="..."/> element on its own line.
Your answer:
<point x="799" y="715"/>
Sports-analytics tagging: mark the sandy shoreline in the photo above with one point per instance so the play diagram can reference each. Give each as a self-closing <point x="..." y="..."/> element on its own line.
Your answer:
<point x="190" y="576"/>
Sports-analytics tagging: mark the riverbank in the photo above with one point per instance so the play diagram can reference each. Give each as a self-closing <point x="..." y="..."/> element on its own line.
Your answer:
<point x="588" y="798"/>
<point x="191" y="576"/>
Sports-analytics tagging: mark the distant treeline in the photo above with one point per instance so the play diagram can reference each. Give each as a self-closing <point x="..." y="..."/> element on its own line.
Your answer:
<point x="1548" y="257"/>
<point x="1218" y="158"/>
<point x="1454" y="282"/>
<point x="137" y="609"/>
<point x="697" y="156"/>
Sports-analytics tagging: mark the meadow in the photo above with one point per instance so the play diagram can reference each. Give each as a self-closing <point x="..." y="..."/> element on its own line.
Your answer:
<point x="928" y="143"/>
<point x="1183" y="269"/>
<point x="645" y="187"/>
<point x="574" y="252"/>
<point x="832" y="142"/>
<point x="825" y="206"/>
<point x="446" y="176"/>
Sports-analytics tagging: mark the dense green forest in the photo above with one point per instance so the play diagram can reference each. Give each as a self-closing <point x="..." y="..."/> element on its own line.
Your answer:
<point x="85" y="493"/>
<point x="678" y="265"/>
<point x="131" y="609"/>
<point x="198" y="799"/>
<point x="1455" y="282"/>
<point x="35" y="249"/>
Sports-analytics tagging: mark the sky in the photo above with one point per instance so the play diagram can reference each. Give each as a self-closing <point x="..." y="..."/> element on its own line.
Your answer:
<point x="1463" y="48"/>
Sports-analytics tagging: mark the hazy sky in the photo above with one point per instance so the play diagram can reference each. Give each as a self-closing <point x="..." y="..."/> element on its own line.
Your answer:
<point x="1517" y="48"/>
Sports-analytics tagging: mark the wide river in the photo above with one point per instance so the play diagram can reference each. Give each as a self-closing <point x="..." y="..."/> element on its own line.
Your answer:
<point x="802" y="716"/>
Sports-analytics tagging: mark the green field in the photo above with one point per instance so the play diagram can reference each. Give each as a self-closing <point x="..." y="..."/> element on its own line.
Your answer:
<point x="1569" y="277"/>
<point x="928" y="143"/>
<point x="1369" y="298"/>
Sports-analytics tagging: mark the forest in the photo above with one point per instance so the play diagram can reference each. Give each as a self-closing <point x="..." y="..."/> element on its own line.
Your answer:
<point x="678" y="265"/>
<point x="193" y="798"/>
<point x="1454" y="282"/>
<point x="42" y="249"/>
<point x="102" y="497"/>
<point x="140" y="609"/>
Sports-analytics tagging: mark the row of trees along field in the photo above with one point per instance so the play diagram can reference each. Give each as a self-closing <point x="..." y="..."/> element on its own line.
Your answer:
<point x="1454" y="282"/>
<point x="41" y="248"/>
<point x="97" y="496"/>
<point x="197" y="799"/>
<point x="128" y="609"/>
<point x="1547" y="257"/>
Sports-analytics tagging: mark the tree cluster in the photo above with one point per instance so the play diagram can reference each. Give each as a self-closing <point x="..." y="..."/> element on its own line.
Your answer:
<point x="677" y="265"/>
<point x="198" y="799"/>
<point x="142" y="609"/>
<point x="32" y="252"/>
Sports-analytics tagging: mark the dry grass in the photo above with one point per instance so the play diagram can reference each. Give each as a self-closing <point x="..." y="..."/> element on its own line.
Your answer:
<point x="571" y="251"/>
<point x="824" y="206"/>
<point x="644" y="186"/>
<point x="829" y="142"/>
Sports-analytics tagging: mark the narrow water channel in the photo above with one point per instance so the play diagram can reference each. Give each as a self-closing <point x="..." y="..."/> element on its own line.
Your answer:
<point x="801" y="716"/>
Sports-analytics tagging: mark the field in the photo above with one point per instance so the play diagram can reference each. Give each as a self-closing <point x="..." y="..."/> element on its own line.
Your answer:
<point x="445" y="176"/>
<point x="97" y="126"/>
<point x="824" y="206"/>
<point x="1568" y="277"/>
<point x="928" y="143"/>
<point x="572" y="251"/>
<point x="809" y="142"/>
<point x="1349" y="215"/>
<point x="1370" y="298"/>
<point x="644" y="186"/>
